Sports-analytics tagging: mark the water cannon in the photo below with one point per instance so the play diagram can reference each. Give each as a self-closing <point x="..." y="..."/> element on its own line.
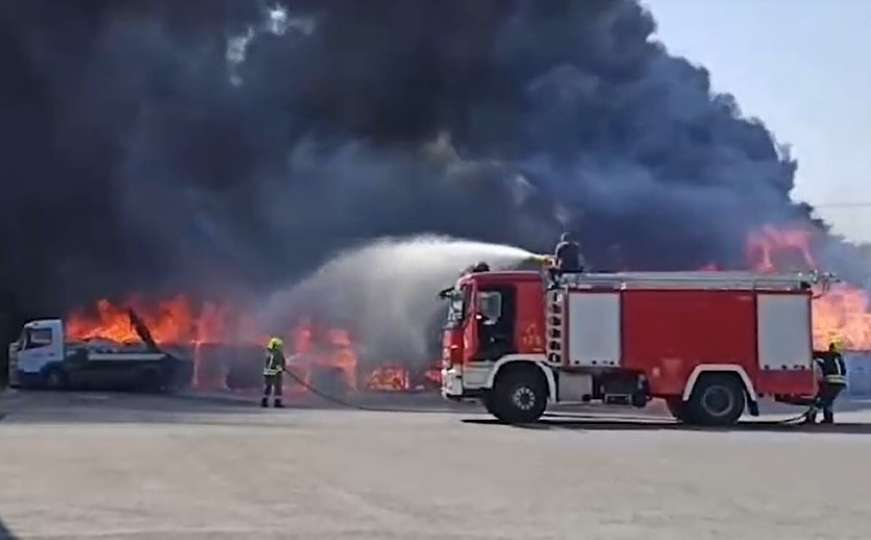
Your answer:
<point x="537" y="261"/>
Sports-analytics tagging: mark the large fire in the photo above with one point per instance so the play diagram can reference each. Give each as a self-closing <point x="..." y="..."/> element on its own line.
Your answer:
<point x="177" y="322"/>
<point x="770" y="249"/>
<point x="173" y="321"/>
<point x="325" y="352"/>
<point x="841" y="312"/>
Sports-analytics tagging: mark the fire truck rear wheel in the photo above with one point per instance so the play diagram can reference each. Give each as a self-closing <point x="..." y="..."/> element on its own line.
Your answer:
<point x="519" y="397"/>
<point x="717" y="400"/>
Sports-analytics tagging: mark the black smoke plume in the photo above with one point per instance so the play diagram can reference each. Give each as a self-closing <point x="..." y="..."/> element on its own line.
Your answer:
<point x="221" y="147"/>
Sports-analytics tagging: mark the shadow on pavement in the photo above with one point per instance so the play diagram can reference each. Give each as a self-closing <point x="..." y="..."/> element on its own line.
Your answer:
<point x="5" y="533"/>
<point x="212" y="408"/>
<point x="604" y="424"/>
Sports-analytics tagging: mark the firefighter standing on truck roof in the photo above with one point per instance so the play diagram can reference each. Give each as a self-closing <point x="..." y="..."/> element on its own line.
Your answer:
<point x="567" y="258"/>
<point x="272" y="369"/>
<point x="834" y="372"/>
<point x="568" y="254"/>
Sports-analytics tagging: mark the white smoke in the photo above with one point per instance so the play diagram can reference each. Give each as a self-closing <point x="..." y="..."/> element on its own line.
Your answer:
<point x="386" y="292"/>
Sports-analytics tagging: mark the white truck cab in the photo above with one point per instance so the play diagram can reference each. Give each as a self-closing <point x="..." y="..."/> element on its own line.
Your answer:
<point x="38" y="353"/>
<point x="42" y="357"/>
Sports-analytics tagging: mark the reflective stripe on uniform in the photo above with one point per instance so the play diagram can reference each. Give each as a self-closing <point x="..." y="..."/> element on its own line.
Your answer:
<point x="835" y="379"/>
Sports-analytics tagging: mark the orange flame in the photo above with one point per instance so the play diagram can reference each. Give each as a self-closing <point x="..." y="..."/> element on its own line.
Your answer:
<point x="840" y="313"/>
<point x="329" y="349"/>
<point x="767" y="247"/>
<point x="176" y="322"/>
<point x="389" y="379"/>
<point x="170" y="321"/>
<point x="843" y="313"/>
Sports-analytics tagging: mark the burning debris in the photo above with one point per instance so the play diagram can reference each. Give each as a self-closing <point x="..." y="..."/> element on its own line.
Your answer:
<point x="389" y="378"/>
<point x="400" y="378"/>
<point x="227" y="352"/>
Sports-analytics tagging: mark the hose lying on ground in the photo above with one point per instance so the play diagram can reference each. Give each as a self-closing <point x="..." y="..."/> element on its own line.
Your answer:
<point x="348" y="404"/>
<point x="338" y="401"/>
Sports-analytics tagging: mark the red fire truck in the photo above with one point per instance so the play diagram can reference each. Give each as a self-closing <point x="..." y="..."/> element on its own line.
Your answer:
<point x="709" y="343"/>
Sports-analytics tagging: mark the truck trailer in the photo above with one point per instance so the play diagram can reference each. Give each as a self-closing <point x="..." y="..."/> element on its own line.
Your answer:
<point x="711" y="344"/>
<point x="43" y="358"/>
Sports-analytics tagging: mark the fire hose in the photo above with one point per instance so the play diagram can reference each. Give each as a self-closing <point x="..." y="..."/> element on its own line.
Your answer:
<point x="798" y="419"/>
<point x="348" y="404"/>
<point x="338" y="401"/>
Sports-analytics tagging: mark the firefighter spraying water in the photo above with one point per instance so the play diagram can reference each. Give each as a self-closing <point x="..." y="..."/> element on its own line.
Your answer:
<point x="273" y="369"/>
<point x="382" y="295"/>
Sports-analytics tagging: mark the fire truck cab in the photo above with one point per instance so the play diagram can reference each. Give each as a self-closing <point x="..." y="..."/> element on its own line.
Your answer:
<point x="711" y="344"/>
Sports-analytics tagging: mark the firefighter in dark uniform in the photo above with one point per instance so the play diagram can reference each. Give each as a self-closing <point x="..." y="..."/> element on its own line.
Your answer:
<point x="567" y="255"/>
<point x="272" y="369"/>
<point x="566" y="258"/>
<point x="834" y="380"/>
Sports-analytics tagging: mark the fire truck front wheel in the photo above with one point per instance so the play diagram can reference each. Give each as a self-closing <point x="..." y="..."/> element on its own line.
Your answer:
<point x="489" y="402"/>
<point x="518" y="397"/>
<point x="717" y="400"/>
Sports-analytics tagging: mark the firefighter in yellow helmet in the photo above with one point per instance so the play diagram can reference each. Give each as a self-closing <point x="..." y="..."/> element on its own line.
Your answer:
<point x="272" y="369"/>
<point x="833" y="381"/>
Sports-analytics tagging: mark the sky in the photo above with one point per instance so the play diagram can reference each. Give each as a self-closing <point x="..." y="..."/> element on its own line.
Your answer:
<point x="802" y="66"/>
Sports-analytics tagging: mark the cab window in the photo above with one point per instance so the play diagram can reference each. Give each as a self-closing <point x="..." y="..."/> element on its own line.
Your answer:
<point x="459" y="303"/>
<point x="490" y="307"/>
<point x="35" y="338"/>
<point x="496" y="319"/>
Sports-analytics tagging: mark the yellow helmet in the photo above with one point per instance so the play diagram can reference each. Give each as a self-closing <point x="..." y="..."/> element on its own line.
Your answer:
<point x="275" y="344"/>
<point x="837" y="345"/>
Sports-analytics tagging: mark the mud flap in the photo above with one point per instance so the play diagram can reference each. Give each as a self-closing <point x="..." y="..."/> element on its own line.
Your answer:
<point x="753" y="408"/>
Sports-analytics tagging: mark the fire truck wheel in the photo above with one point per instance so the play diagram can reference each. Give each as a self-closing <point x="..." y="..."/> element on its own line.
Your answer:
<point x="679" y="409"/>
<point x="519" y="397"/>
<point x="489" y="402"/>
<point x="717" y="400"/>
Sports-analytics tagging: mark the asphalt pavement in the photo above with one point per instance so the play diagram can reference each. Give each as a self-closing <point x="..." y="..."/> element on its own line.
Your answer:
<point x="102" y="465"/>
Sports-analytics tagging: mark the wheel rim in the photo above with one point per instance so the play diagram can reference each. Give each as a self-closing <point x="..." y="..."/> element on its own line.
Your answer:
<point x="718" y="401"/>
<point x="523" y="398"/>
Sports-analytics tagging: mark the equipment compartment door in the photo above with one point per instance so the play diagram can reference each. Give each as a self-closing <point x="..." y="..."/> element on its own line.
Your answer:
<point x="594" y="329"/>
<point x="784" y="332"/>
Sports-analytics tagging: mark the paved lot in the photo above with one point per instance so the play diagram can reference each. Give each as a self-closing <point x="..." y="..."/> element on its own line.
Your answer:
<point x="113" y="466"/>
